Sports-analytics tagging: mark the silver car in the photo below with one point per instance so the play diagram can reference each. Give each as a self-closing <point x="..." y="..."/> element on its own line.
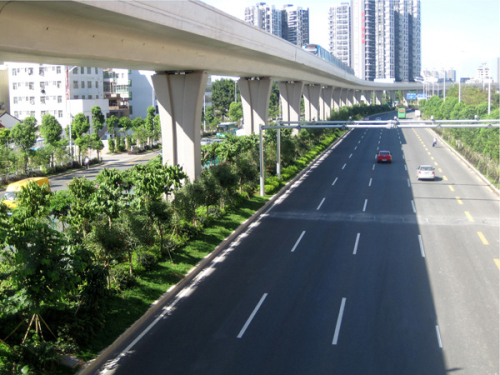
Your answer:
<point x="425" y="172"/>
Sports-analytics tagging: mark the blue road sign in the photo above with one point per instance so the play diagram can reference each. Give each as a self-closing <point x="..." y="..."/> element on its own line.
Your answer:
<point x="411" y="96"/>
<point x="421" y="96"/>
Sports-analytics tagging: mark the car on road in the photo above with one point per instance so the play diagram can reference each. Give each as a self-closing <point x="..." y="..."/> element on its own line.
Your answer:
<point x="425" y="172"/>
<point x="378" y="119"/>
<point x="384" y="157"/>
<point x="10" y="197"/>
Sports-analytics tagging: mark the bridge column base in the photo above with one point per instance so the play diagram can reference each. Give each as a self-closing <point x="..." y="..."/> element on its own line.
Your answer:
<point x="180" y="101"/>
<point x="290" y="95"/>
<point x="325" y="103"/>
<point x="255" y="94"/>
<point x="378" y="97"/>
<point x="337" y="98"/>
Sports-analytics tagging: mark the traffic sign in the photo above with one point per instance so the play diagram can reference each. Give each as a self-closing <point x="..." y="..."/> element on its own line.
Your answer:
<point x="411" y="96"/>
<point x="421" y="96"/>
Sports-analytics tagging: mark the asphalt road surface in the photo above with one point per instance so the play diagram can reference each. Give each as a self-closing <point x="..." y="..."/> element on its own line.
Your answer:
<point x="359" y="269"/>
<point x="118" y="161"/>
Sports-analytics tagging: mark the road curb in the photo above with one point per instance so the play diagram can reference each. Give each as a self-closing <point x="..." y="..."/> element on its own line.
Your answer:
<point x="490" y="185"/>
<point x="93" y="366"/>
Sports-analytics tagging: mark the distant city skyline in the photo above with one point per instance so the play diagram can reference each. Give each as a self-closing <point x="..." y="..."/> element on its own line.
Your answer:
<point x="458" y="34"/>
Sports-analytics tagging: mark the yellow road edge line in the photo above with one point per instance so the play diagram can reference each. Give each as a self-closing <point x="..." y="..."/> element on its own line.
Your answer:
<point x="497" y="261"/>
<point x="445" y="178"/>
<point x="440" y="170"/>
<point x="436" y="163"/>
<point x="469" y="216"/>
<point x="483" y="238"/>
<point x="451" y="188"/>
<point x="459" y="200"/>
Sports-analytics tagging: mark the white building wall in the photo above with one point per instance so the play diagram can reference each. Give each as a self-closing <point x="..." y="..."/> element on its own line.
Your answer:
<point x="358" y="38"/>
<point x="39" y="89"/>
<point x="339" y="22"/>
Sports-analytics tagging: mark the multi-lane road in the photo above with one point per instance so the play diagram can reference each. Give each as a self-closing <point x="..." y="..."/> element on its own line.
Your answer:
<point x="358" y="269"/>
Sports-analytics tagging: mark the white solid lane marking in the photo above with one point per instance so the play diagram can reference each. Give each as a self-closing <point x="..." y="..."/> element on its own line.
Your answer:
<point x="413" y="206"/>
<point x="370" y="183"/>
<point x="335" y="181"/>
<point x="339" y="323"/>
<point x="355" y="147"/>
<point x="344" y="166"/>
<point x="320" y="204"/>
<point x="364" y="207"/>
<point x="439" y="337"/>
<point x="408" y="182"/>
<point x="356" y="244"/>
<point x="297" y="243"/>
<point x="421" y="245"/>
<point x="350" y="156"/>
<point x="373" y="168"/>
<point x="242" y="332"/>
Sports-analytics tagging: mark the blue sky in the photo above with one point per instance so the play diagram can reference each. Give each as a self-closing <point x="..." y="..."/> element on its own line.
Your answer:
<point x="460" y="34"/>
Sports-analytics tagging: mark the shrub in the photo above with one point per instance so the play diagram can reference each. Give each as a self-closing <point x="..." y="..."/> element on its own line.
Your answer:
<point x="123" y="278"/>
<point x="111" y="145"/>
<point x="147" y="260"/>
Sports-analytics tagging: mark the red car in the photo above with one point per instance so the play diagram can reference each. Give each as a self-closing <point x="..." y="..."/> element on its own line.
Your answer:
<point x="384" y="157"/>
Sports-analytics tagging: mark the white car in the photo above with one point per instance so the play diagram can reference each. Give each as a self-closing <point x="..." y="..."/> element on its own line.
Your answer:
<point x="425" y="172"/>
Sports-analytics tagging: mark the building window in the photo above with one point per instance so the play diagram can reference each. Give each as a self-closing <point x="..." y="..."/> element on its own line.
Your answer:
<point x="75" y="84"/>
<point x="96" y="84"/>
<point x="43" y="113"/>
<point x="42" y="85"/>
<point x="89" y="84"/>
<point x="90" y="96"/>
<point x="32" y="85"/>
<point x="89" y="70"/>
<point x="42" y="99"/>
<point x="59" y="83"/>
<point x="60" y="114"/>
<point x="16" y="114"/>
<point x="15" y="100"/>
<point x="83" y="84"/>
<point x="130" y="109"/>
<point x="32" y="113"/>
<point x="83" y="96"/>
<point x="59" y="99"/>
<point x="14" y="85"/>
<point x="14" y="72"/>
<point x="75" y="71"/>
<point x="96" y="71"/>
<point x="32" y="100"/>
<point x="41" y="71"/>
<point x="30" y="71"/>
<point x="58" y="70"/>
<point x="82" y="70"/>
<point x="76" y="97"/>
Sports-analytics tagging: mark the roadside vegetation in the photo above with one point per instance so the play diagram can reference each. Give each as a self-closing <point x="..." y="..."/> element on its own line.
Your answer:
<point x="78" y="267"/>
<point x="479" y="146"/>
<point x="20" y="157"/>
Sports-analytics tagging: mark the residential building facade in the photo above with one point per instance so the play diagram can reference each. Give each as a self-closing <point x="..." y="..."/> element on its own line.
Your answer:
<point x="384" y="38"/>
<point x="339" y="24"/>
<point x="291" y="23"/>
<point x="62" y="91"/>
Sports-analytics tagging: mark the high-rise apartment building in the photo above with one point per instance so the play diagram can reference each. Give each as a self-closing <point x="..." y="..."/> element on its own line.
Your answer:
<point x="291" y="23"/>
<point x="339" y="24"/>
<point x="265" y="17"/>
<point x="384" y="38"/>
<point x="62" y="91"/>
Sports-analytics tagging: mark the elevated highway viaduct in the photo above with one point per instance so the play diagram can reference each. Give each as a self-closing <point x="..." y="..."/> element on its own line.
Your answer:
<point x="183" y="42"/>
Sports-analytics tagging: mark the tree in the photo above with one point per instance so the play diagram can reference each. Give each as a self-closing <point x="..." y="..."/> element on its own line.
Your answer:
<point x="149" y="125"/>
<point x="223" y="95"/>
<point x="112" y="122"/>
<point x="80" y="125"/>
<point x="235" y="111"/>
<point x="51" y="130"/>
<point x="96" y="143"/>
<point x="125" y="123"/>
<point x="157" y="127"/>
<point x="97" y="118"/>
<point x="108" y="198"/>
<point x="23" y="135"/>
<point x="4" y="136"/>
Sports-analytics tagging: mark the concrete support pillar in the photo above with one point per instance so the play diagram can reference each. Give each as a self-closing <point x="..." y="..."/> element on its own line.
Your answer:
<point x="349" y="98"/>
<point x="336" y="98"/>
<point x="378" y="97"/>
<point x="255" y="93"/>
<point x="290" y="95"/>
<point x="392" y="95"/>
<point x="367" y="95"/>
<point x="357" y="97"/>
<point x="325" y="103"/>
<point x="405" y="101"/>
<point x="311" y="102"/>
<point x="343" y="97"/>
<point x="180" y="102"/>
